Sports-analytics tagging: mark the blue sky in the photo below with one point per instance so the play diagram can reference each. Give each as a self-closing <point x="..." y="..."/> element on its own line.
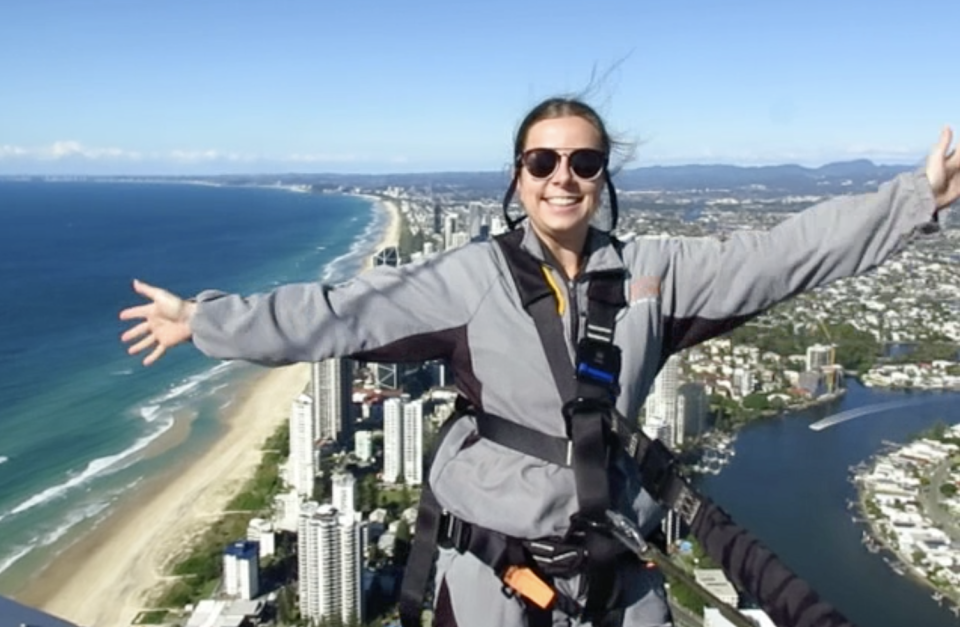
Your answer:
<point x="211" y="86"/>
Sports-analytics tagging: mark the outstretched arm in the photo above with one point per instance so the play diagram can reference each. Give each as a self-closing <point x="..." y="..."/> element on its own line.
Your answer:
<point x="712" y="287"/>
<point x="410" y="313"/>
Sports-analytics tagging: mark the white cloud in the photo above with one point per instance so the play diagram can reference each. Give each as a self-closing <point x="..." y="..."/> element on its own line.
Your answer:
<point x="66" y="149"/>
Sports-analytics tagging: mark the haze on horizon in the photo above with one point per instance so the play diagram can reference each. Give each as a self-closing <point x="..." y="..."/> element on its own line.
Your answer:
<point x="102" y="87"/>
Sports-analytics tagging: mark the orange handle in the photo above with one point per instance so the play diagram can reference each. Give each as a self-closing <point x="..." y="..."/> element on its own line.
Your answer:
<point x="528" y="584"/>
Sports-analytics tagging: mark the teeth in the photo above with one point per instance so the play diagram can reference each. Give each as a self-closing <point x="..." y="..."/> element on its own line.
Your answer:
<point x="563" y="201"/>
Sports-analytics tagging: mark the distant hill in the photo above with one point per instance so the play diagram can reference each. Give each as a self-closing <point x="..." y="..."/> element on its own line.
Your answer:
<point x="789" y="178"/>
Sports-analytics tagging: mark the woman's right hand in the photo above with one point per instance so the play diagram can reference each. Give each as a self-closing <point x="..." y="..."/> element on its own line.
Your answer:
<point x="166" y="321"/>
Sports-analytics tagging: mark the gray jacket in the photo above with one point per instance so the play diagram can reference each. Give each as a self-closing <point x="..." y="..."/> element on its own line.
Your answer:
<point x="462" y="306"/>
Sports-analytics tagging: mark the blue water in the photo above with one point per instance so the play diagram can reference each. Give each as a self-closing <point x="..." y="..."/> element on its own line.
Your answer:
<point x="789" y="485"/>
<point x="76" y="411"/>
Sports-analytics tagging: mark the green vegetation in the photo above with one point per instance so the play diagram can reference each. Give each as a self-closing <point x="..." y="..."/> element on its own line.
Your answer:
<point x="199" y="568"/>
<point x="949" y="490"/>
<point x="856" y="350"/>
<point x="151" y="617"/>
<point x="685" y="595"/>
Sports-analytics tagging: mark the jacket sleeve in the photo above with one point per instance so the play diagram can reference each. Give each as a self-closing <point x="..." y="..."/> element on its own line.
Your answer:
<point x="409" y="313"/>
<point x="711" y="287"/>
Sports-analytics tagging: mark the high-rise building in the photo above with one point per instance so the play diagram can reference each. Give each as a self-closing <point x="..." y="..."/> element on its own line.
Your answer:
<point x="387" y="376"/>
<point x="389" y="256"/>
<point x="302" y="464"/>
<point x="819" y="355"/>
<point x="363" y="446"/>
<point x="449" y="230"/>
<point x="392" y="439"/>
<point x="661" y="404"/>
<point x="413" y="443"/>
<point x="261" y="531"/>
<point x="476" y="217"/>
<point x="437" y="218"/>
<point x="241" y="570"/>
<point x="329" y="555"/>
<point x="344" y="492"/>
<point x="332" y="385"/>
<point x="693" y="405"/>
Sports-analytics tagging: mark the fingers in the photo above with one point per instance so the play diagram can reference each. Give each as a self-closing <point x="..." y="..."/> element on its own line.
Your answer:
<point x="142" y="344"/>
<point x="135" y="332"/>
<point x="155" y="355"/>
<point x="140" y="311"/>
<point x="943" y="145"/>
<point x="145" y="289"/>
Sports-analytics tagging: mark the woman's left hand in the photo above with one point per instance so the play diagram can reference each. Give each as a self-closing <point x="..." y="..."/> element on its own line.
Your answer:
<point x="943" y="170"/>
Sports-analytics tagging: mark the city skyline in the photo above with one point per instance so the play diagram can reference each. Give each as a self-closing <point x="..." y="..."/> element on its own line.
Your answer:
<point x="102" y="87"/>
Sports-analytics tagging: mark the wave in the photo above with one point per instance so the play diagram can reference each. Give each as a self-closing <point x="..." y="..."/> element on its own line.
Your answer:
<point x="4" y="459"/>
<point x="350" y="263"/>
<point x="99" y="467"/>
<point x="47" y="538"/>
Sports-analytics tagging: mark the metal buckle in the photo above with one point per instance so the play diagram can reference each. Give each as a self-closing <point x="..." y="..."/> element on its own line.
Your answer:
<point x="599" y="362"/>
<point x="456" y="533"/>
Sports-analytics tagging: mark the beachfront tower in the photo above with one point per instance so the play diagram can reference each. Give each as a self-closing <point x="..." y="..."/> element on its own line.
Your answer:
<point x="413" y="443"/>
<point x="329" y="559"/>
<point x="241" y="570"/>
<point x="261" y="531"/>
<point x="392" y="439"/>
<point x="302" y="465"/>
<point x="332" y="386"/>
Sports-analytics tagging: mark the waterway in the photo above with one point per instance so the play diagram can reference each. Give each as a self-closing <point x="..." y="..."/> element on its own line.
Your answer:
<point x="790" y="486"/>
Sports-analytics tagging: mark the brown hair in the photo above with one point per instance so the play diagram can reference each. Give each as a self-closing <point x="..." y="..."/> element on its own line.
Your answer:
<point x="559" y="107"/>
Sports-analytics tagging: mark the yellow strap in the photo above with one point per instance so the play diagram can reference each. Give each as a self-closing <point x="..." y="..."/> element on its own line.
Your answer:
<point x="561" y="303"/>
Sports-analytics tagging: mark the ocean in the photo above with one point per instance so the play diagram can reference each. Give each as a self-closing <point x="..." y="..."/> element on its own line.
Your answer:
<point x="77" y="414"/>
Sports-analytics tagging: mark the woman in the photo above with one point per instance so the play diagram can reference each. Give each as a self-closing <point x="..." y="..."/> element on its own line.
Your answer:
<point x="464" y="307"/>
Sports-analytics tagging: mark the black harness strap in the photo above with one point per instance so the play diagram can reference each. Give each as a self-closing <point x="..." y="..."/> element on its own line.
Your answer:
<point x="587" y="389"/>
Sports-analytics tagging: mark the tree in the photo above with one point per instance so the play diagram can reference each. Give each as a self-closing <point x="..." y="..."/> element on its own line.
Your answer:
<point x="949" y="490"/>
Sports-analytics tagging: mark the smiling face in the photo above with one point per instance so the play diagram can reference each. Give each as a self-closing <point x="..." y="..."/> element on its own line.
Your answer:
<point x="561" y="204"/>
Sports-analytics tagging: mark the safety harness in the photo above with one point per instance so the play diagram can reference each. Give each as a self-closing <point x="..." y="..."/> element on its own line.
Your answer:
<point x="593" y="547"/>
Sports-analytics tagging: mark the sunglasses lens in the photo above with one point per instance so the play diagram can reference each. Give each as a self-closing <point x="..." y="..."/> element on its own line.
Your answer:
<point x="586" y="164"/>
<point x="541" y="163"/>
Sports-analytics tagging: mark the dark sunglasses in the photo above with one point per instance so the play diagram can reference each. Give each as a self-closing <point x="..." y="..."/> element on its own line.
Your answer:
<point x="585" y="163"/>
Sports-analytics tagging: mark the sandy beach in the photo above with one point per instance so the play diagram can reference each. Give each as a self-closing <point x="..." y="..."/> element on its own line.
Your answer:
<point x="104" y="578"/>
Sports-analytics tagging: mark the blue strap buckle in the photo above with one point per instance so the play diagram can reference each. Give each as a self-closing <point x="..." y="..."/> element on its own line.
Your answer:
<point x="599" y="362"/>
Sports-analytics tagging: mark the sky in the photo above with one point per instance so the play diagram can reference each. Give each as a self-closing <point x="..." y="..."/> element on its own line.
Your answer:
<point x="372" y="86"/>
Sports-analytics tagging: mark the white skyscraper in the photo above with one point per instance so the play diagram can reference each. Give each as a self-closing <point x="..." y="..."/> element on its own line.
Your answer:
<point x="363" y="445"/>
<point x="261" y="531"/>
<point x="241" y="570"/>
<point x="344" y="492"/>
<point x="392" y="439"/>
<point x="819" y="355"/>
<point x="329" y="559"/>
<point x="413" y="443"/>
<point x="331" y="383"/>
<point x="449" y="229"/>
<point x="302" y="465"/>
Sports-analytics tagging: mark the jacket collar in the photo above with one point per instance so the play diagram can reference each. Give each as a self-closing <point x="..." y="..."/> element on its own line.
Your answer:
<point x="602" y="254"/>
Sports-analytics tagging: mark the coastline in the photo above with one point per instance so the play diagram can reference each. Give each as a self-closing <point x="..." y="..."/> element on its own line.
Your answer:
<point x="106" y="577"/>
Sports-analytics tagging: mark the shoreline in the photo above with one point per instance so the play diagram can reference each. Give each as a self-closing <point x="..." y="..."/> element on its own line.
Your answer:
<point x="105" y="577"/>
<point x="898" y="562"/>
